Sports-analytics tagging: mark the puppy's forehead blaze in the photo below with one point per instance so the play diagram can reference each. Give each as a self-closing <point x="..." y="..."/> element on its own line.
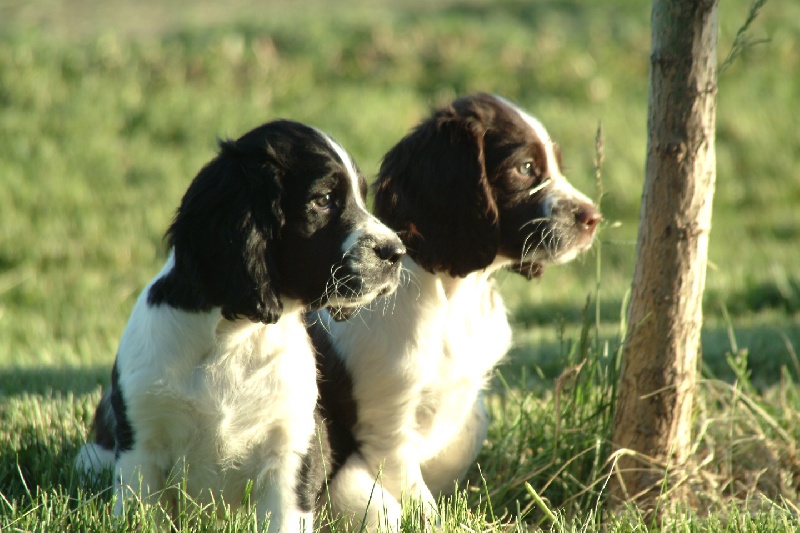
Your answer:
<point x="552" y="151"/>
<point x="353" y="176"/>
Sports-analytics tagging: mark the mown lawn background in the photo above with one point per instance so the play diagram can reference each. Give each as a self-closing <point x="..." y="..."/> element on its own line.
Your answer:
<point x="107" y="110"/>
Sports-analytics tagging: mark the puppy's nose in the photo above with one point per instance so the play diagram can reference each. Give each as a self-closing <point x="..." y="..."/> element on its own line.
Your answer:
<point x="391" y="251"/>
<point x="588" y="217"/>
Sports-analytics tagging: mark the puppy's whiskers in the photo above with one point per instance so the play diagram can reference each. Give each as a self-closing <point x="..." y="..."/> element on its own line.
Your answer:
<point x="409" y="279"/>
<point x="535" y="221"/>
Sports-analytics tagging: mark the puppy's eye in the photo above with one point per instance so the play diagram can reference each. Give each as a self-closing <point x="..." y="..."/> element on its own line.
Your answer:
<point x="526" y="169"/>
<point x="323" y="202"/>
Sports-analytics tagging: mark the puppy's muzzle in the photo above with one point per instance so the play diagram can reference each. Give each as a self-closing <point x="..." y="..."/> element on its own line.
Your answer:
<point x="378" y="267"/>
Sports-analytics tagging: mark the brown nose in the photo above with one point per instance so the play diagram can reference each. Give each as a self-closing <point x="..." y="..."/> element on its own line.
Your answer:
<point x="391" y="251"/>
<point x="588" y="217"/>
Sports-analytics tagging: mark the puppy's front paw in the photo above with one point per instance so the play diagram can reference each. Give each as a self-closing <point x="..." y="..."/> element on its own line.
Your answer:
<point x="422" y="510"/>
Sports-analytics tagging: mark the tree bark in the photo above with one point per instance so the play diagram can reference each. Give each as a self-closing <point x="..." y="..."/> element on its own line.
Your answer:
<point x="652" y="433"/>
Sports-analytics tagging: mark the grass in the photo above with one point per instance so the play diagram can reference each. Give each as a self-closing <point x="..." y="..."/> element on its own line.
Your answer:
<point x="106" y="115"/>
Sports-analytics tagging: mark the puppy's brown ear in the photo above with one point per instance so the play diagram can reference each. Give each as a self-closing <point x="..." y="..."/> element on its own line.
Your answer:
<point x="433" y="190"/>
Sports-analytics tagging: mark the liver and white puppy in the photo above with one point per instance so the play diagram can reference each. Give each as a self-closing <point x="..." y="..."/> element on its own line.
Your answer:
<point x="215" y="376"/>
<point x="474" y="188"/>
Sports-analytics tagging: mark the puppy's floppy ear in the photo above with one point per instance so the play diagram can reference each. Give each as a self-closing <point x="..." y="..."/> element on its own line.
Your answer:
<point x="222" y="233"/>
<point x="432" y="188"/>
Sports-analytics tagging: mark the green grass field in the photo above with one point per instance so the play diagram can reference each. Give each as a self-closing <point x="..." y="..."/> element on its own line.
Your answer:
<point x="106" y="113"/>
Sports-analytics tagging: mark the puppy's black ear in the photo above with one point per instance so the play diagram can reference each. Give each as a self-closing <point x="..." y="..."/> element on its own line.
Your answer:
<point x="222" y="234"/>
<point x="433" y="190"/>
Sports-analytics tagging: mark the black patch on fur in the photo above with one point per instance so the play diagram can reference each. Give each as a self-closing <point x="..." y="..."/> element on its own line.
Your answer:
<point x="337" y="405"/>
<point x="313" y="470"/>
<point x="124" y="435"/>
<point x="104" y="425"/>
<point x="220" y="235"/>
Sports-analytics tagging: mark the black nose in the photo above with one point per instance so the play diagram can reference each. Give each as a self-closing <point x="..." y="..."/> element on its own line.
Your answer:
<point x="391" y="251"/>
<point x="588" y="217"/>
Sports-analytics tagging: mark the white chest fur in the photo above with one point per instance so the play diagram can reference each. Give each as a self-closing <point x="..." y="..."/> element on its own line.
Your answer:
<point x="476" y="336"/>
<point x="224" y="401"/>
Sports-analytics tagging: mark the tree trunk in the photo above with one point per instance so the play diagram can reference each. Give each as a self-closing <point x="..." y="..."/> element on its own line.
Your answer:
<point x="653" y="412"/>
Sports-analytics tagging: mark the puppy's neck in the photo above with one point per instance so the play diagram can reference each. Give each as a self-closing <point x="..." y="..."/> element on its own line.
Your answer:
<point x="449" y="287"/>
<point x="242" y="331"/>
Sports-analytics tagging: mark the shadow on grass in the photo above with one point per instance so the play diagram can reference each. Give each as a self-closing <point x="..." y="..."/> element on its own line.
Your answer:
<point x="769" y="346"/>
<point x="75" y="380"/>
<point x="44" y="463"/>
<point x="780" y="296"/>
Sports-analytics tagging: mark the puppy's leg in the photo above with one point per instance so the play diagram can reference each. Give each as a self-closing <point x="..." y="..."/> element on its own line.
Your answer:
<point x="276" y="499"/>
<point x="356" y="495"/>
<point x="284" y="517"/>
<point x="393" y="448"/>
<point x="137" y="477"/>
<point x="98" y="456"/>
<point x="449" y="464"/>
<point x="400" y="472"/>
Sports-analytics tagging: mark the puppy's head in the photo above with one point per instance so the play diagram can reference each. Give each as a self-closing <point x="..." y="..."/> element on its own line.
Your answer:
<point x="480" y="183"/>
<point x="278" y="216"/>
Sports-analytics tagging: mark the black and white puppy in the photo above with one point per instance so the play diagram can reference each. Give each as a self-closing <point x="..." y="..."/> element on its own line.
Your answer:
<point x="476" y="187"/>
<point x="215" y="377"/>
